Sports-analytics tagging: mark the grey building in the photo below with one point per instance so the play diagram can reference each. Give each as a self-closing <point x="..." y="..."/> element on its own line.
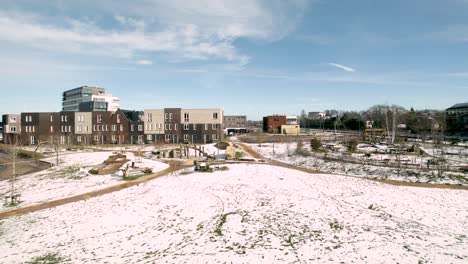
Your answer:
<point x="72" y="98"/>
<point x="235" y="124"/>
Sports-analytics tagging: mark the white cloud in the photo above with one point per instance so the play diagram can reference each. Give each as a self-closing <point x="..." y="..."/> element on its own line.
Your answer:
<point x="145" y="62"/>
<point x="345" y="68"/>
<point x="180" y="30"/>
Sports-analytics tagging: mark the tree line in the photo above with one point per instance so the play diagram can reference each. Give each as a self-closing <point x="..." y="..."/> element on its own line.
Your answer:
<point x="387" y="117"/>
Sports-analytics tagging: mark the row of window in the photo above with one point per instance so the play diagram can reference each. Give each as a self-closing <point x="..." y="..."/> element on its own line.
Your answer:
<point x="168" y="116"/>
<point x="29" y="129"/>
<point x="106" y="128"/>
<point x="169" y="137"/>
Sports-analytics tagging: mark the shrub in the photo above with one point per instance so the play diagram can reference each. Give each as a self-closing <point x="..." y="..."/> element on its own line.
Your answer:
<point x="300" y="149"/>
<point x="315" y="144"/>
<point x="352" y="145"/>
<point x="51" y="258"/>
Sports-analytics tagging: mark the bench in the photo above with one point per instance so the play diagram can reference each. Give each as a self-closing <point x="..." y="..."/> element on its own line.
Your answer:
<point x="14" y="199"/>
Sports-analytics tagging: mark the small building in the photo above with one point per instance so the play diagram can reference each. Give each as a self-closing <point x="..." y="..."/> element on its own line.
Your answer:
<point x="316" y="115"/>
<point x="457" y="118"/>
<point x="235" y="124"/>
<point x="273" y="123"/>
<point x="290" y="129"/>
<point x="292" y="120"/>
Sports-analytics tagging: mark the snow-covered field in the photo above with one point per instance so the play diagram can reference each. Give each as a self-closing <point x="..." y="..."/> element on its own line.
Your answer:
<point x="286" y="152"/>
<point x="69" y="178"/>
<point x="248" y="214"/>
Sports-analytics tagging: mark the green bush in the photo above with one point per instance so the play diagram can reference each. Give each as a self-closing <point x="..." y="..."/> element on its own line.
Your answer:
<point x="315" y="144"/>
<point x="51" y="258"/>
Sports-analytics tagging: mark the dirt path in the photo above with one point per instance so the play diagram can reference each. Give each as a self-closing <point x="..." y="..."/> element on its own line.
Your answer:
<point x="256" y="155"/>
<point x="173" y="166"/>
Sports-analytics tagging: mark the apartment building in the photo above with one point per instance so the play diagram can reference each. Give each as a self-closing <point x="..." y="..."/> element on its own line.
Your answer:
<point x="134" y="120"/>
<point x="177" y="125"/>
<point x="201" y="125"/>
<point x="169" y="125"/>
<point x="11" y="127"/>
<point x="83" y="128"/>
<point x="154" y="125"/>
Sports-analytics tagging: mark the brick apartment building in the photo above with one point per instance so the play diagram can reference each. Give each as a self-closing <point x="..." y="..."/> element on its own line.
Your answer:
<point x="177" y="125"/>
<point x="169" y="125"/>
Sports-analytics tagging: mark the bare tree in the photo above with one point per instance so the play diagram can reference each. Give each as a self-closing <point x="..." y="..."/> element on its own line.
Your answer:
<point x="14" y="149"/>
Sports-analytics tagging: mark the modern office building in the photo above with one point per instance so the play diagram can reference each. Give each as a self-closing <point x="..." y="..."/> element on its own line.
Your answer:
<point x="87" y="98"/>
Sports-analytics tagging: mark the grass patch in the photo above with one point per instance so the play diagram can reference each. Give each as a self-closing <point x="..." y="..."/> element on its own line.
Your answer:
<point x="239" y="154"/>
<point x="12" y="204"/>
<point x="71" y="172"/>
<point x="222" y="220"/>
<point x="132" y="178"/>
<point x="335" y="225"/>
<point x="222" y="168"/>
<point x="51" y="258"/>
<point x="25" y="154"/>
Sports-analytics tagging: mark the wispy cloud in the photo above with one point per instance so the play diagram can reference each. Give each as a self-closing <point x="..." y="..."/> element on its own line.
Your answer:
<point x="458" y="74"/>
<point x="343" y="67"/>
<point x="145" y="62"/>
<point x="180" y="30"/>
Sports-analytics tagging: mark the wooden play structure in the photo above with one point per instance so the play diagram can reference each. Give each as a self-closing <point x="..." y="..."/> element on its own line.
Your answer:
<point x="374" y="135"/>
<point x="110" y="165"/>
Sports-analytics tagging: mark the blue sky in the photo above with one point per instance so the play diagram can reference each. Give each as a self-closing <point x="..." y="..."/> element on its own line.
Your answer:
<point x="253" y="57"/>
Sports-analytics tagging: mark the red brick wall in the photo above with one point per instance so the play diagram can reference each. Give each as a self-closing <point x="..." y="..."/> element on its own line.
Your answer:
<point x="272" y="124"/>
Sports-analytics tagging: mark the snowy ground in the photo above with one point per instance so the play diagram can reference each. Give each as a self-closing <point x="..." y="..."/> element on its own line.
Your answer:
<point x="69" y="178"/>
<point x="249" y="214"/>
<point x="286" y="152"/>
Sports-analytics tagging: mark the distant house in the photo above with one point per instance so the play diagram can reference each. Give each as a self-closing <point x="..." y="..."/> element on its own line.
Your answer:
<point x="290" y="129"/>
<point x="457" y="118"/>
<point x="292" y="120"/>
<point x="273" y="123"/>
<point x="316" y="115"/>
